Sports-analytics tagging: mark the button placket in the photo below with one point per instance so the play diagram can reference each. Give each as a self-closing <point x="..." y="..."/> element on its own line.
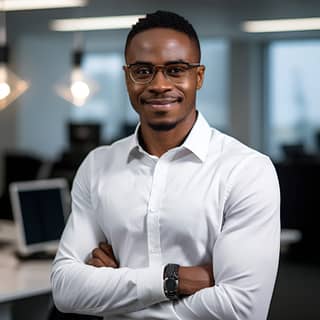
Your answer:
<point x="153" y="215"/>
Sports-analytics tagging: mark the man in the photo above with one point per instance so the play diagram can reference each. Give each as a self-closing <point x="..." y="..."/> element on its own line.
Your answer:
<point x="184" y="219"/>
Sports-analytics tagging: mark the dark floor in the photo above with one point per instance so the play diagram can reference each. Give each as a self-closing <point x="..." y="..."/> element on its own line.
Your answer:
<point x="297" y="291"/>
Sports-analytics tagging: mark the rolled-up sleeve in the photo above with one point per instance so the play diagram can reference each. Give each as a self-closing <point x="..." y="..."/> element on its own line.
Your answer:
<point x="246" y="252"/>
<point x="80" y="288"/>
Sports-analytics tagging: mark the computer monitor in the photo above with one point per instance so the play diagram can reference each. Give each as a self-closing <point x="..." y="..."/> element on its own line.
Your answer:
<point x="40" y="209"/>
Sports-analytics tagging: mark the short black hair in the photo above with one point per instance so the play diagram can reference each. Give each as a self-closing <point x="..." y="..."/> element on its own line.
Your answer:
<point x="164" y="19"/>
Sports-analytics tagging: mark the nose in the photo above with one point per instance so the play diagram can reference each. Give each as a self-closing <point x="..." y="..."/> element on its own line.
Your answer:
<point x="159" y="82"/>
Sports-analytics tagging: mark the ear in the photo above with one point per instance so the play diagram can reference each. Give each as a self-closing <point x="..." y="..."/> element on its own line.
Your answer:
<point x="200" y="76"/>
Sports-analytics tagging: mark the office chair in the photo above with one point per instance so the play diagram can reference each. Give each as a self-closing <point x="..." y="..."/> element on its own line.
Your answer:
<point x="18" y="166"/>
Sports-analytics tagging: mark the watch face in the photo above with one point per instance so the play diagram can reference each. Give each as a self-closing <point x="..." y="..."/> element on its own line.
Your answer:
<point x="171" y="285"/>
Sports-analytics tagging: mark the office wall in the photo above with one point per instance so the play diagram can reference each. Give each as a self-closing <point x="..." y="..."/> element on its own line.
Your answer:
<point x="246" y="92"/>
<point x="7" y="136"/>
<point x="35" y="122"/>
<point x="41" y="114"/>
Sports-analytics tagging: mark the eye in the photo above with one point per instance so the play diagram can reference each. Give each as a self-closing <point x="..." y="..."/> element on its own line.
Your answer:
<point x="176" y="70"/>
<point x="142" y="70"/>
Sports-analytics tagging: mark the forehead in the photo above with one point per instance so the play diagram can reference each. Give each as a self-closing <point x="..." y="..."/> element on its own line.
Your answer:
<point x="160" y="45"/>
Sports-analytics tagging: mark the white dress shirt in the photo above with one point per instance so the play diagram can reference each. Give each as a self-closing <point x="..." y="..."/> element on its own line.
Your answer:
<point x="210" y="200"/>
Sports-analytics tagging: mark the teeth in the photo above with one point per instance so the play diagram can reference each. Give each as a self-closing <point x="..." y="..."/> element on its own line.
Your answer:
<point x="161" y="102"/>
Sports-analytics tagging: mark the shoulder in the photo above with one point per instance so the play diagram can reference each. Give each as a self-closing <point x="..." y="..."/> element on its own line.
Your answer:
<point x="118" y="147"/>
<point x="99" y="162"/>
<point x="233" y="153"/>
<point x="249" y="176"/>
<point x="104" y="157"/>
<point x="239" y="164"/>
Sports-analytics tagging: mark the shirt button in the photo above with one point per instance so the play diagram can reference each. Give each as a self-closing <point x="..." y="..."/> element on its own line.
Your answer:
<point x="154" y="250"/>
<point x="153" y="210"/>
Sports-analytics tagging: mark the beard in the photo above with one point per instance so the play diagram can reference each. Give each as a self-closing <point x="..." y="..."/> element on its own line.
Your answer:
<point x="162" y="126"/>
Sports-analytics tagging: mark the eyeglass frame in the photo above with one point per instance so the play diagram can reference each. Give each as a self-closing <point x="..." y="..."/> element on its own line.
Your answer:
<point x="158" y="67"/>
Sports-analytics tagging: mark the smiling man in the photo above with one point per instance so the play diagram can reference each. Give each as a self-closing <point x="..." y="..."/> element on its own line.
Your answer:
<point x="177" y="221"/>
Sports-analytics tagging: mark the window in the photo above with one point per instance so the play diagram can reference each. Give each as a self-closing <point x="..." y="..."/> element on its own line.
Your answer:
<point x="294" y="95"/>
<point x="213" y="97"/>
<point x="111" y="107"/>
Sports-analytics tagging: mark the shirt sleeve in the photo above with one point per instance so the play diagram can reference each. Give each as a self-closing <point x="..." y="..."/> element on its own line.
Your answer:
<point x="246" y="253"/>
<point x="80" y="288"/>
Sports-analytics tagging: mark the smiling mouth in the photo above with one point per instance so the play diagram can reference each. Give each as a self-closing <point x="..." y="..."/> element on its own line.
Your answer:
<point x="161" y="102"/>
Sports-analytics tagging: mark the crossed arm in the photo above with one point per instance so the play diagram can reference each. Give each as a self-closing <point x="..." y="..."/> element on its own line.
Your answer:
<point x="244" y="259"/>
<point x="191" y="279"/>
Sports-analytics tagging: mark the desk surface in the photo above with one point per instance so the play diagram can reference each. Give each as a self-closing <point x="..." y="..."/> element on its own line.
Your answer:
<point x="20" y="280"/>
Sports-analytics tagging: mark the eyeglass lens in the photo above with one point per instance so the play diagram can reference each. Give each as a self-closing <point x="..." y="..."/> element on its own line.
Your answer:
<point x="144" y="73"/>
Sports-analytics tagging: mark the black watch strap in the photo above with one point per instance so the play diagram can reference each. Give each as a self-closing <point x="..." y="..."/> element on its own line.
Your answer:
<point x="170" y="281"/>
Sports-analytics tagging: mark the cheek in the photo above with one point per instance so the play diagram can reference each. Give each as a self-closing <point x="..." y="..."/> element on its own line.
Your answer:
<point x="134" y="93"/>
<point x="189" y="89"/>
<point x="132" y="90"/>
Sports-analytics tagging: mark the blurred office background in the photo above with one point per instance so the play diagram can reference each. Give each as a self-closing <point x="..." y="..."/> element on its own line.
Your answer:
<point x="262" y="88"/>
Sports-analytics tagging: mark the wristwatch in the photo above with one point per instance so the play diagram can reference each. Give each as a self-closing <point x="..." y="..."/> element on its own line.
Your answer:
<point x="171" y="280"/>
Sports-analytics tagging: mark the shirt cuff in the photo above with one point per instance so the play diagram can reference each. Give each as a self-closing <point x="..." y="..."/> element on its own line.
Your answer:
<point x="150" y="285"/>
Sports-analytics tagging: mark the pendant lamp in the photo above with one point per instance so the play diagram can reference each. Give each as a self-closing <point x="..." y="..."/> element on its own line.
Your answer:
<point x="11" y="85"/>
<point x="77" y="87"/>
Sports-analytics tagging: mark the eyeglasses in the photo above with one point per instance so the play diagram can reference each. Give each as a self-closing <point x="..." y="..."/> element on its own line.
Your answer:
<point x="143" y="73"/>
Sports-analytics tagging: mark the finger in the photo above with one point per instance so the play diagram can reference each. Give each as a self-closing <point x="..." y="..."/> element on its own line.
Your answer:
<point x="101" y="255"/>
<point x="95" y="262"/>
<point x="107" y="248"/>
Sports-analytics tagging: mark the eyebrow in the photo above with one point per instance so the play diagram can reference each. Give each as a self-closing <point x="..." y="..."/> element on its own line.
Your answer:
<point x="151" y="64"/>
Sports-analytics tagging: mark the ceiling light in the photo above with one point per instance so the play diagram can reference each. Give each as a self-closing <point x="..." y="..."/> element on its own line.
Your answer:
<point x="96" y="23"/>
<point x="76" y="88"/>
<point x="16" y="5"/>
<point x="282" y="25"/>
<point x="11" y="86"/>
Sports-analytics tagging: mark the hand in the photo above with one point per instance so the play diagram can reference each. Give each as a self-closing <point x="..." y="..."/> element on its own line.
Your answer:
<point x="103" y="257"/>
<point x="193" y="279"/>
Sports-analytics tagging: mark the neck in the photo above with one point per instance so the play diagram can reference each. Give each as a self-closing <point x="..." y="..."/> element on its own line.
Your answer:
<point x="157" y="142"/>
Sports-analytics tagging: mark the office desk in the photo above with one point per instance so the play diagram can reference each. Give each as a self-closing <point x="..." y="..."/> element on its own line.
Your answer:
<point x="22" y="283"/>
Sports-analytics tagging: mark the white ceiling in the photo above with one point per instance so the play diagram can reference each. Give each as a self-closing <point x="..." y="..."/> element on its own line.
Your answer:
<point x="210" y="17"/>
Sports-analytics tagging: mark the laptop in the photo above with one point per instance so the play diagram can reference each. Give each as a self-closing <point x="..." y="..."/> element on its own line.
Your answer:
<point x="40" y="209"/>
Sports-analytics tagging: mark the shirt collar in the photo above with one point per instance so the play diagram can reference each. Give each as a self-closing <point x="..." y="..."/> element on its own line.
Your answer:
<point x="134" y="141"/>
<point x="134" y="145"/>
<point x="199" y="138"/>
<point x="197" y="141"/>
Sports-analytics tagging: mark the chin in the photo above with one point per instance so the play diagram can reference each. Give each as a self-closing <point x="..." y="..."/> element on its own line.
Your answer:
<point x="163" y="126"/>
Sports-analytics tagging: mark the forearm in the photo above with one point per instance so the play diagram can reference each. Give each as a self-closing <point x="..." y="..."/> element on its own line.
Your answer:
<point x="79" y="288"/>
<point x="235" y="296"/>
<point x="212" y="303"/>
<point x="193" y="279"/>
<point x="215" y="302"/>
